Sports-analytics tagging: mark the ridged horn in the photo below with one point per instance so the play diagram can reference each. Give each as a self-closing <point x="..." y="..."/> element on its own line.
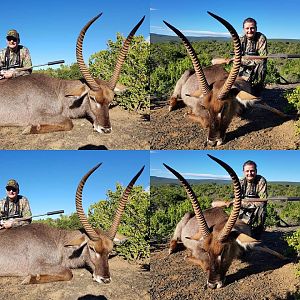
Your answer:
<point x="237" y="199"/>
<point x="122" y="55"/>
<point x="118" y="215"/>
<point x="82" y="66"/>
<point x="198" y="212"/>
<point x="204" y="87"/>
<point x="78" y="200"/>
<point x="237" y="57"/>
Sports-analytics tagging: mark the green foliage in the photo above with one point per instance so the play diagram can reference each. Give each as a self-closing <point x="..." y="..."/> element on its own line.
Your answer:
<point x="134" y="73"/>
<point x="169" y="60"/>
<point x="294" y="242"/>
<point x="134" y="223"/>
<point x="293" y="98"/>
<point x="169" y="203"/>
<point x="64" y="222"/>
<point x="63" y="72"/>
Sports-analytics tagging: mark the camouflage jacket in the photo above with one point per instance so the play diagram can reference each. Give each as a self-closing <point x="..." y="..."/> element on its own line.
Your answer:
<point x="25" y="60"/>
<point x="19" y="206"/>
<point x="258" y="187"/>
<point x="257" y="46"/>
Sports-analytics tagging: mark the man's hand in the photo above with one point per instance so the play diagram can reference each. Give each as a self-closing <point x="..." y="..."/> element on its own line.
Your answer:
<point x="7" y="74"/>
<point x="7" y="224"/>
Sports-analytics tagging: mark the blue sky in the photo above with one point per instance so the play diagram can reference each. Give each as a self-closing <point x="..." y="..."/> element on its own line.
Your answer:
<point x="49" y="179"/>
<point x="274" y="165"/>
<point x="50" y="28"/>
<point x="276" y="19"/>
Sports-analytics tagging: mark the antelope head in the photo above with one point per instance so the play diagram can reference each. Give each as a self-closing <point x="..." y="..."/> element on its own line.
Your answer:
<point x="99" y="242"/>
<point x="214" y="248"/>
<point x="218" y="99"/>
<point x="101" y="93"/>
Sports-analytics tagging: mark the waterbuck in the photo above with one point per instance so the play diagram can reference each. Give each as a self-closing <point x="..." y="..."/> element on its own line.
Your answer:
<point x="45" y="254"/>
<point x="213" y="95"/>
<point x="213" y="238"/>
<point x="45" y="104"/>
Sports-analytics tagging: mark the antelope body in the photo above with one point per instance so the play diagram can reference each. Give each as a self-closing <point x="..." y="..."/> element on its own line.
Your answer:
<point x="213" y="238"/>
<point x="213" y="95"/>
<point x="45" y="104"/>
<point x="42" y="253"/>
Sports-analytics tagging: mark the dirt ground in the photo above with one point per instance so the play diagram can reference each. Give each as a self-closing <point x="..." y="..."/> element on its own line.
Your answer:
<point x="258" y="129"/>
<point x="258" y="276"/>
<point x="130" y="131"/>
<point x="129" y="281"/>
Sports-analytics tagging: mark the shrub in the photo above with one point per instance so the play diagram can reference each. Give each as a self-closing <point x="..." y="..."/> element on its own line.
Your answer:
<point x="134" y="223"/>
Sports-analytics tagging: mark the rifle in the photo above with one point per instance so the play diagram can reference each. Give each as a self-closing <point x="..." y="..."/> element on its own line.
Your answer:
<point x="20" y="218"/>
<point x="50" y="63"/>
<point x="216" y="61"/>
<point x="221" y="203"/>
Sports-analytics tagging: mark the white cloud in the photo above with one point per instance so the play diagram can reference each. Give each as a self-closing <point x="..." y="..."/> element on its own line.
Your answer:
<point x="151" y="9"/>
<point x="205" y="176"/>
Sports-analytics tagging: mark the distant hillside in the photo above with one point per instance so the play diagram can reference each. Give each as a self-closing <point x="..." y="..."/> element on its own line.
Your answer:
<point x="154" y="180"/>
<point x="160" y="38"/>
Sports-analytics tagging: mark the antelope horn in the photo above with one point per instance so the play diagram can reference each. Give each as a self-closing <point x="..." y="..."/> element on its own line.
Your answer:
<point x="204" y="230"/>
<point x="237" y="199"/>
<point x="199" y="72"/>
<point x="82" y="217"/>
<point x="237" y="57"/>
<point x="113" y="229"/>
<point x="122" y="55"/>
<point x="83" y="68"/>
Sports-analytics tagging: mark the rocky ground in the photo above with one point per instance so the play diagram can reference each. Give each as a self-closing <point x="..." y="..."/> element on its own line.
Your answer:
<point x="258" y="129"/>
<point x="258" y="276"/>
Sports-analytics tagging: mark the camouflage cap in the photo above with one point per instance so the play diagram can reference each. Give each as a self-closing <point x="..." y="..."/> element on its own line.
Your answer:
<point x="12" y="183"/>
<point x="14" y="33"/>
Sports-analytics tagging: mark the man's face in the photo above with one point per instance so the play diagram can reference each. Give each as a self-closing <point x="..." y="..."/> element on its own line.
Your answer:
<point x="250" y="30"/>
<point x="11" y="192"/>
<point x="12" y="42"/>
<point x="249" y="172"/>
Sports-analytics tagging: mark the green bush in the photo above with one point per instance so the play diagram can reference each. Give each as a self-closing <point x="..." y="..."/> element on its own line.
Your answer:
<point x="134" y="223"/>
<point x="293" y="241"/>
<point x="134" y="74"/>
<point x="293" y="98"/>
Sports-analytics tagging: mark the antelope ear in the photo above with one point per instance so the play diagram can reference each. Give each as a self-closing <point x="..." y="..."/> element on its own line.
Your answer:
<point x="78" y="91"/>
<point x="120" y="239"/>
<point x="78" y="241"/>
<point x="196" y="94"/>
<point x="246" y="241"/>
<point x="245" y="98"/>
<point x="120" y="89"/>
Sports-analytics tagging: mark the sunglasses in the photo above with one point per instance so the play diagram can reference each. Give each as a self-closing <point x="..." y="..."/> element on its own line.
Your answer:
<point x="10" y="188"/>
<point x="11" y="38"/>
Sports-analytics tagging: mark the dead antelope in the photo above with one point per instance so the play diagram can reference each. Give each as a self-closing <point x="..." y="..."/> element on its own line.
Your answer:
<point x="213" y="95"/>
<point x="213" y="238"/>
<point x="42" y="253"/>
<point x="46" y="104"/>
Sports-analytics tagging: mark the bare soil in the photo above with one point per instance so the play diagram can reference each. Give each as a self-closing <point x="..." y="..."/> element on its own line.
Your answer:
<point x="257" y="129"/>
<point x="129" y="281"/>
<point x="130" y="130"/>
<point x="258" y="276"/>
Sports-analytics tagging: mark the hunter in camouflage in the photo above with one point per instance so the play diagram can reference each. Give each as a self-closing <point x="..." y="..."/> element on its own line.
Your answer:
<point x="14" y="56"/>
<point x="253" y="43"/>
<point x="14" y="205"/>
<point x="253" y="186"/>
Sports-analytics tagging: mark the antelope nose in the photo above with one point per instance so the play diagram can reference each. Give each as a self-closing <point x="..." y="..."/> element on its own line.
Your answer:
<point x="211" y="143"/>
<point x="106" y="280"/>
<point x="106" y="130"/>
